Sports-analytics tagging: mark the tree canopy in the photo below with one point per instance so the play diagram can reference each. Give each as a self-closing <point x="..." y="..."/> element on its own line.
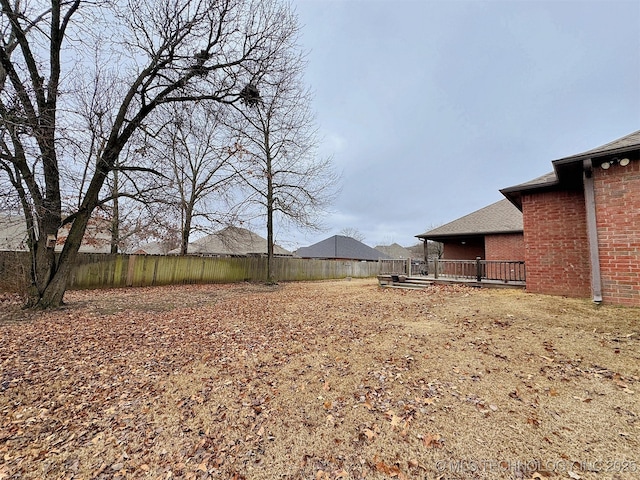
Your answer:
<point x="110" y="65"/>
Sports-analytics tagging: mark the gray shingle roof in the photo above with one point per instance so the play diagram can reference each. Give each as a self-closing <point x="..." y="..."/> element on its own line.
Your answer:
<point x="547" y="179"/>
<point x="628" y="142"/>
<point x="340" y="246"/>
<point x="13" y="232"/>
<point x="567" y="171"/>
<point x="514" y="193"/>
<point x="13" y="235"/>
<point x="499" y="217"/>
<point x="394" y="251"/>
<point x="232" y="241"/>
<point x="152" y="248"/>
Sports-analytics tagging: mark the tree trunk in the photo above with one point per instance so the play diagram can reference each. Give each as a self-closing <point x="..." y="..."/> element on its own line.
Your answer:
<point x="50" y="273"/>
<point x="186" y="231"/>
<point x="270" y="202"/>
<point x="115" y="220"/>
<point x="54" y="293"/>
<point x="270" y="276"/>
<point x="43" y="266"/>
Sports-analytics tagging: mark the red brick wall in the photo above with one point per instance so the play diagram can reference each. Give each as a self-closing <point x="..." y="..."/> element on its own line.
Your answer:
<point x="556" y="246"/>
<point x="504" y="247"/>
<point x="469" y="251"/>
<point x="617" y="197"/>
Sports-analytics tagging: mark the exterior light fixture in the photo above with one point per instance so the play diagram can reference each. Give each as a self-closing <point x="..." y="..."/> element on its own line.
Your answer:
<point x="623" y="162"/>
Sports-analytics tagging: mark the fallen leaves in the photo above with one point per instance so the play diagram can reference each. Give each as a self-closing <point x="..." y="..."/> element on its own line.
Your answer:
<point x="393" y="418"/>
<point x="432" y="440"/>
<point x="390" y="470"/>
<point x="323" y="380"/>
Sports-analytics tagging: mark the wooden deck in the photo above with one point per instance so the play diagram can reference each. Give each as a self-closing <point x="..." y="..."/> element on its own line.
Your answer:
<point x="422" y="281"/>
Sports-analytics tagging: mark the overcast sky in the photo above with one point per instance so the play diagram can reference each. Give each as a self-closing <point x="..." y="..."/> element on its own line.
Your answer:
<point x="430" y="107"/>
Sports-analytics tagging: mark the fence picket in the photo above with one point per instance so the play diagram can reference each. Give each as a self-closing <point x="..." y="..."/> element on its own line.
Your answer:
<point x="97" y="270"/>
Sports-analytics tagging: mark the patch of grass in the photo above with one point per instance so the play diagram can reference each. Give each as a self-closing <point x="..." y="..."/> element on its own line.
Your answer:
<point x="321" y="380"/>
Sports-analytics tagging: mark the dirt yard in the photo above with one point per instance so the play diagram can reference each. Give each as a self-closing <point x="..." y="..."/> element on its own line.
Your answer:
<point x="326" y="380"/>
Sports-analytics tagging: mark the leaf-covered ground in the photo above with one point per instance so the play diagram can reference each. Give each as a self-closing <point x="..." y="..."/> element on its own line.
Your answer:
<point x="326" y="380"/>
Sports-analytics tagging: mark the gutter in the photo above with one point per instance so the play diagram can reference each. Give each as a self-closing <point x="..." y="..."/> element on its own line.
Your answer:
<point x="592" y="232"/>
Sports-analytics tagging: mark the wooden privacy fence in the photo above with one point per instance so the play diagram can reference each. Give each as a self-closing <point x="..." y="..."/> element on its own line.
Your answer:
<point x="97" y="270"/>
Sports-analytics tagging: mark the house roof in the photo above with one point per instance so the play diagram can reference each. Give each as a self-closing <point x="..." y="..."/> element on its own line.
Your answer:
<point x="567" y="171"/>
<point x="151" y="248"/>
<point x="340" y="246"/>
<point x="544" y="180"/>
<point x="13" y="232"/>
<point x="13" y="235"/>
<point x="499" y="217"/>
<point x="621" y="145"/>
<point x="394" y="251"/>
<point x="96" y="239"/>
<point x="232" y="241"/>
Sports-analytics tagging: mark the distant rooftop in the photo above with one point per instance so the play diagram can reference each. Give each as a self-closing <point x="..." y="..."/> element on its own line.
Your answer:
<point x="232" y="241"/>
<point x="340" y="246"/>
<point x="394" y="251"/>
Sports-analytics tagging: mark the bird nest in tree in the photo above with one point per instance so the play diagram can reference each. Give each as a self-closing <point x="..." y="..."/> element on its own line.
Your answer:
<point x="250" y="95"/>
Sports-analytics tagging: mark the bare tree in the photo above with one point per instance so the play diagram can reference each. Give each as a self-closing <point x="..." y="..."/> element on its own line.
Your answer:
<point x="161" y="52"/>
<point x="193" y="145"/>
<point x="431" y="248"/>
<point x="128" y="193"/>
<point x="352" y="233"/>
<point x="277" y="158"/>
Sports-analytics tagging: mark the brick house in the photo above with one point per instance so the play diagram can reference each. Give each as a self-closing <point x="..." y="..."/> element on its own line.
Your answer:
<point x="494" y="232"/>
<point x="582" y="224"/>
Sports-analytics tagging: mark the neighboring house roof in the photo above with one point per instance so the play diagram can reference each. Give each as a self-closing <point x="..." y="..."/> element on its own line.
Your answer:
<point x="567" y="172"/>
<point x="232" y="241"/>
<point x="13" y="235"/>
<point x="152" y="248"/>
<point x="499" y="217"/>
<point x="96" y="239"/>
<point x="394" y="251"/>
<point x="340" y="246"/>
<point x="13" y="232"/>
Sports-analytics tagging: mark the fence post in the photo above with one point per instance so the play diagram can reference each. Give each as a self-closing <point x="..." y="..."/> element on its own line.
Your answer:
<point x="435" y="267"/>
<point x="478" y="269"/>
<point x="409" y="267"/>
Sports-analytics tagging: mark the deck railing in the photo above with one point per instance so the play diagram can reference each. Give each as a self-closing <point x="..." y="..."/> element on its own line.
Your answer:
<point x="395" y="266"/>
<point x="478" y="269"/>
<point x="508" y="271"/>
